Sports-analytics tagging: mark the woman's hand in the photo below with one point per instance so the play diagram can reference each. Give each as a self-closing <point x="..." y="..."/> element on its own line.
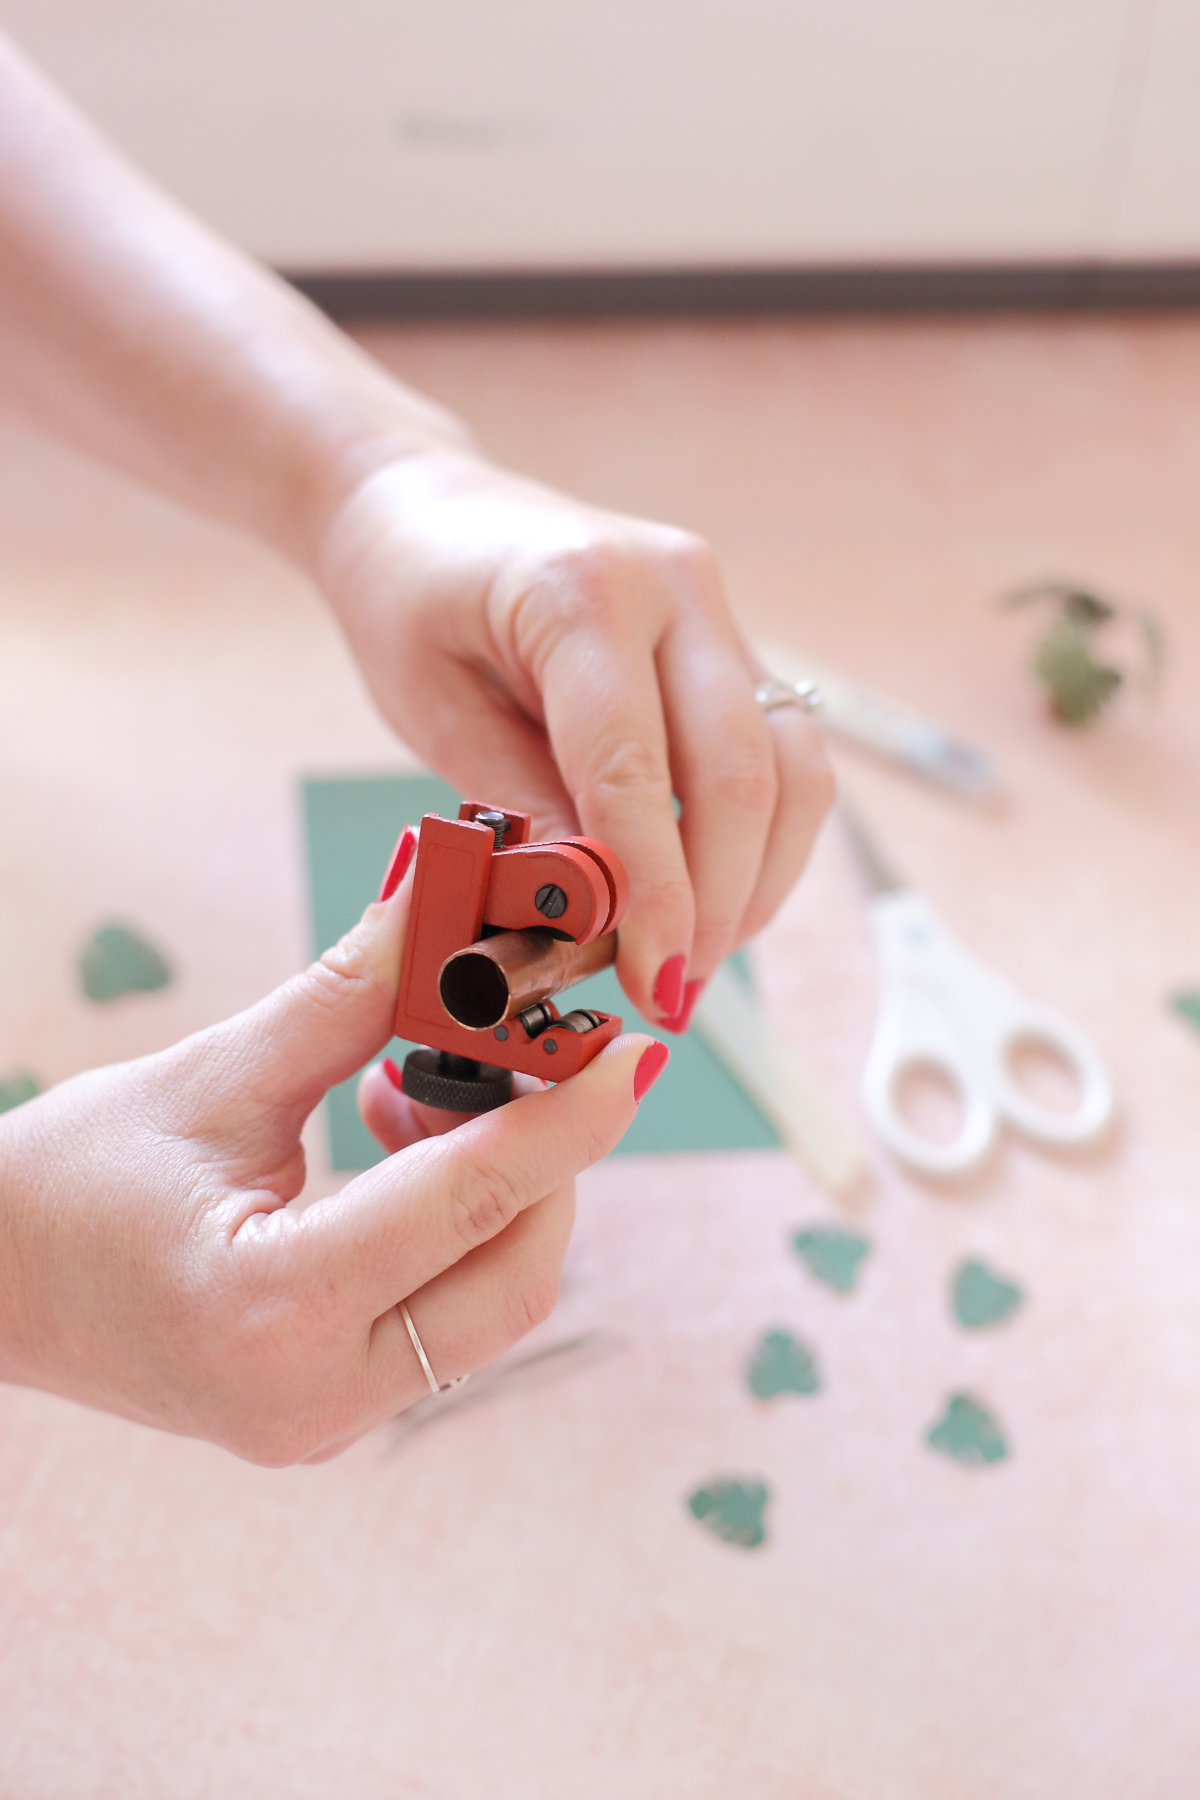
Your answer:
<point x="583" y="667"/>
<point x="150" y="1263"/>
<point x="573" y="664"/>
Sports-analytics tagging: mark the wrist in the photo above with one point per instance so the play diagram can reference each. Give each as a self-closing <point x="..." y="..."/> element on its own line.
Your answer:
<point x="369" y="423"/>
<point x="390" y="491"/>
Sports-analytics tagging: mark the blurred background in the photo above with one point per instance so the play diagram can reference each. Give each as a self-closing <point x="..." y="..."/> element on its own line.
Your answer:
<point x="399" y="137"/>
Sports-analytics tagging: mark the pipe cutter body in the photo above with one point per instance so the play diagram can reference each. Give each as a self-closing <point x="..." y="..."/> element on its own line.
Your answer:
<point x="496" y="927"/>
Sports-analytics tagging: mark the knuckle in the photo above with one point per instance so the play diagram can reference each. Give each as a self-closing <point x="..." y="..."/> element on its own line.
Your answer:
<point x="617" y="571"/>
<point x="628" y="770"/>
<point x="686" y="553"/>
<point x="533" y="1299"/>
<point x="484" y="1200"/>
<point x="747" y="784"/>
<point x="581" y="579"/>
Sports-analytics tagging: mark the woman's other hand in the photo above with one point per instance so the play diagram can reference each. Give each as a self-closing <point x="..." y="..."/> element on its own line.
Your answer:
<point x="583" y="667"/>
<point x="150" y="1263"/>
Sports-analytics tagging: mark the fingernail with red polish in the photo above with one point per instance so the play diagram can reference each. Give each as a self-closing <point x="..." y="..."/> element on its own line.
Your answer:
<point x="683" y="1017"/>
<point x="691" y="994"/>
<point x="651" y="1064"/>
<point x="402" y="855"/>
<point x="392" y="1072"/>
<point x="668" y="987"/>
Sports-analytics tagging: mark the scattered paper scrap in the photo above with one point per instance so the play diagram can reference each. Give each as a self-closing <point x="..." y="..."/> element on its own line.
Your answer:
<point x="967" y="1433"/>
<point x="980" y="1297"/>
<point x="732" y="1510"/>
<point x="832" y="1254"/>
<point x="782" y="1364"/>
<point x="117" y="961"/>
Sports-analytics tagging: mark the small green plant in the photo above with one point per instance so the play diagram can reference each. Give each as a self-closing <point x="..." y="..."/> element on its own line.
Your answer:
<point x="1069" y="660"/>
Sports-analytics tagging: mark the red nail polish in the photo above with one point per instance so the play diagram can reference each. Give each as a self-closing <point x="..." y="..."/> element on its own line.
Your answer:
<point x="668" y="986"/>
<point x="691" y="994"/>
<point x="683" y="1017"/>
<point x="402" y="855"/>
<point x="651" y="1064"/>
<point x="392" y="1072"/>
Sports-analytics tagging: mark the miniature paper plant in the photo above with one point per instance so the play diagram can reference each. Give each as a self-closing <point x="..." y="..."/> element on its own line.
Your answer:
<point x="1067" y="659"/>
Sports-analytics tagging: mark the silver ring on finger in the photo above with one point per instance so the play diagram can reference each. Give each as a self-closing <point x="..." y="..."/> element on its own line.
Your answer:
<point x="435" y="1386"/>
<point x="771" y="693"/>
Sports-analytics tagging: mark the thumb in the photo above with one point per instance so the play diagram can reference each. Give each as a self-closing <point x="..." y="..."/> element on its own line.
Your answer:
<point x="323" y="1025"/>
<point x="393" y="1229"/>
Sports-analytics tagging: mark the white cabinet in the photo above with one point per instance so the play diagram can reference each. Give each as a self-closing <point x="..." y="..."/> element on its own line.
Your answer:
<point x="1155" y="210"/>
<point x="530" y="134"/>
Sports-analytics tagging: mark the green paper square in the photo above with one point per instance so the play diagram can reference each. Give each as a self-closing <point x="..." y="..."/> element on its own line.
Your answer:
<point x="351" y="827"/>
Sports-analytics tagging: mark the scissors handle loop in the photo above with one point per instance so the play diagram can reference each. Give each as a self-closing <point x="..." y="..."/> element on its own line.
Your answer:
<point x="943" y="1010"/>
<point x="914" y="1034"/>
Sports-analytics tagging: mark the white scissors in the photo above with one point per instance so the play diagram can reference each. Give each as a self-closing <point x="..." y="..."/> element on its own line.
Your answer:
<point x="942" y="1010"/>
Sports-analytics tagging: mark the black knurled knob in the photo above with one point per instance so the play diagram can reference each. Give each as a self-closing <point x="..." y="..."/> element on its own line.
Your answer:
<point x="436" y="1078"/>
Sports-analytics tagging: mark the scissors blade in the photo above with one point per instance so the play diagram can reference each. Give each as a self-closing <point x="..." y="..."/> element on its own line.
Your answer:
<point x="878" y="873"/>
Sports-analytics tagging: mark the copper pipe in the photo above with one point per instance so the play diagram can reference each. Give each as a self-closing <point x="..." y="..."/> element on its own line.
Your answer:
<point x="503" y="975"/>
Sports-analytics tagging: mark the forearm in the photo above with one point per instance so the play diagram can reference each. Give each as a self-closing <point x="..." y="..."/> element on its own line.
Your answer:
<point x="135" y="336"/>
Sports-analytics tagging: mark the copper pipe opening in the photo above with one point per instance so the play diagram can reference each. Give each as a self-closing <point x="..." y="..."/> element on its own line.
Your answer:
<point x="495" y="980"/>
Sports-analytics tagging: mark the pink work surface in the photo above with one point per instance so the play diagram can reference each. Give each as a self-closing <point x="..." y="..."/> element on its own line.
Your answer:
<point x="513" y="1602"/>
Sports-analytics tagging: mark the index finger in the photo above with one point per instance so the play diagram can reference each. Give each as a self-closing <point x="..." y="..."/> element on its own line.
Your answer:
<point x="604" y="716"/>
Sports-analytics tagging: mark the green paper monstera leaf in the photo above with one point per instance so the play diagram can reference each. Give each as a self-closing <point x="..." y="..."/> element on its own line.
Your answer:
<point x="732" y="1510"/>
<point x="981" y="1298"/>
<point x="967" y="1433"/>
<point x="781" y="1364"/>
<point x="831" y="1254"/>
<point x="1187" y="1004"/>
<point x="117" y="961"/>
<point x="16" y="1087"/>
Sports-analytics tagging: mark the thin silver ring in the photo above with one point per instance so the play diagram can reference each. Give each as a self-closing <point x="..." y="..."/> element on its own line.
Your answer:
<point x="771" y="693"/>
<point x="435" y="1387"/>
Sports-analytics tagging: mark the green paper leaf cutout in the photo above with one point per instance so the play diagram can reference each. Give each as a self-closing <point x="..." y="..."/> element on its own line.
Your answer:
<point x="1187" y="1004"/>
<point x="781" y="1364"/>
<point x="16" y="1087"/>
<point x="831" y="1254"/>
<point x="980" y="1297"/>
<point x="117" y="961"/>
<point x="967" y="1433"/>
<point x="732" y="1510"/>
